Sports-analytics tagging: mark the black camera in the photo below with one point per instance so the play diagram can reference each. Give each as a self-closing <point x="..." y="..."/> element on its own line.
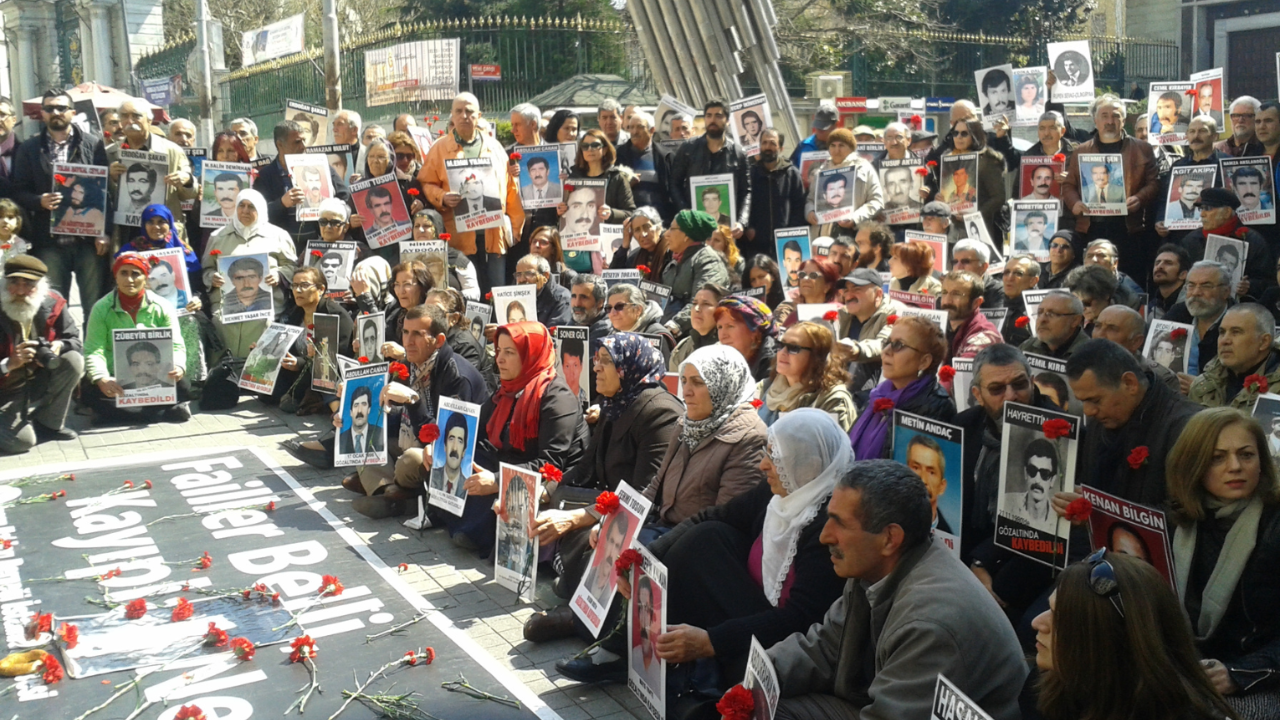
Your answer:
<point x="45" y="354"/>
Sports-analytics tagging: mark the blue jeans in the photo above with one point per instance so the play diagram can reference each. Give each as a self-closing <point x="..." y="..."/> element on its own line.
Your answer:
<point x="92" y="271"/>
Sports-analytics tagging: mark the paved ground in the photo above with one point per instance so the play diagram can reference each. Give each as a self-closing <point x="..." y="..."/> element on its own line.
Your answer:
<point x="445" y="575"/>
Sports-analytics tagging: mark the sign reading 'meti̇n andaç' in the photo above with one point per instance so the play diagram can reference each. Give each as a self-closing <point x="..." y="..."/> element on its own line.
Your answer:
<point x="140" y="555"/>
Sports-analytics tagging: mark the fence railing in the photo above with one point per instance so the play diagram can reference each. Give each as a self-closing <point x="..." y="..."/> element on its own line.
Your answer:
<point x="535" y="54"/>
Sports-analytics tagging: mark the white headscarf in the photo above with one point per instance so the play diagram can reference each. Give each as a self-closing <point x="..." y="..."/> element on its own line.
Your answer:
<point x="729" y="382"/>
<point x="259" y="202"/>
<point x="811" y="453"/>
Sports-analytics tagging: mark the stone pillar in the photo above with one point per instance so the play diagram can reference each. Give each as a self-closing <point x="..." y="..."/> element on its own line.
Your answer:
<point x="100" y="30"/>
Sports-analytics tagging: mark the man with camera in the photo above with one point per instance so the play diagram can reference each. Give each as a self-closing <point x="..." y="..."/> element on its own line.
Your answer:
<point x="41" y="358"/>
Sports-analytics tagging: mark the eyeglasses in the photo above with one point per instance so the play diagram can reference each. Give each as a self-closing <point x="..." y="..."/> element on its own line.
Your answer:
<point x="404" y="285"/>
<point x="305" y="286"/>
<point x="330" y="222"/>
<point x="592" y="146"/>
<point x="896" y="347"/>
<point x="1019" y="385"/>
<point x="793" y="349"/>
<point x="527" y="275"/>
<point x="962" y="133"/>
<point x="1020" y="274"/>
<point x="619" y="307"/>
<point x="1237" y="117"/>
<point x="810" y="275"/>
<point x="56" y="109"/>
<point x="1102" y="579"/>
<point x="1034" y="472"/>
<point x="406" y="156"/>
<point x="1051" y="315"/>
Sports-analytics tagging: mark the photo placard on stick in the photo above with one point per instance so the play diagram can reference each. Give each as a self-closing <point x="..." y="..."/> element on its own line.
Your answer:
<point x="995" y="93"/>
<point x="262" y="366"/>
<point x="934" y="451"/>
<point x="713" y="195"/>
<point x="141" y="184"/>
<point x="1251" y="180"/>
<point x="1185" y="185"/>
<point x="386" y="217"/>
<point x="1034" y="224"/>
<point x="1130" y="529"/>
<point x="453" y="453"/>
<point x="362" y="439"/>
<point x="245" y="294"/>
<point x="143" y="359"/>
<point x="220" y="183"/>
<point x="749" y="117"/>
<point x="902" y="181"/>
<point x="324" y="365"/>
<point x="1030" y="90"/>
<point x="1073" y="69"/>
<point x="596" y="590"/>
<point x="573" y="358"/>
<point x="1208" y="100"/>
<point x="656" y="292"/>
<point x="958" y="186"/>
<point x="314" y="120"/>
<point x="1170" y="106"/>
<point x="515" y="303"/>
<point x="580" y="224"/>
<point x="669" y="109"/>
<point x="1039" y="177"/>
<point x="83" y="208"/>
<point x="1035" y="463"/>
<point x="1102" y="184"/>
<point x="808" y="162"/>
<point x="646" y="620"/>
<point x="762" y="681"/>
<point x="476" y="180"/>
<point x="833" y="194"/>
<point x="869" y="151"/>
<point x="515" y="566"/>
<point x="167" y="277"/>
<point x="371" y="333"/>
<point x="540" y="172"/>
<point x="311" y="173"/>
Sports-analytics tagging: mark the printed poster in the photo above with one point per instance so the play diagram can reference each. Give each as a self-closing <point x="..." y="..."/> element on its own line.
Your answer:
<point x="515" y="303"/>
<point x="341" y="158"/>
<point x="167" y="277"/>
<point x="196" y="156"/>
<point x="595" y="593"/>
<point x="1209" y="99"/>
<point x="902" y="181"/>
<point x="1050" y="376"/>
<point x="311" y="172"/>
<point x="630" y="276"/>
<point x="314" y="120"/>
<point x="657" y="292"/>
<point x="1266" y="410"/>
<point x="220" y="183"/>
<point x="1230" y="253"/>
<point x="1033" y="468"/>
<point x="143" y="360"/>
<point x="762" y="681"/>
<point x="478" y="315"/>
<point x="141" y="184"/>
<point x="995" y="93"/>
<point x="1170" y="106"/>
<point x="272" y="41"/>
<point x="1030" y="91"/>
<point x="713" y="195"/>
<point x="749" y="117"/>
<point x="668" y="109"/>
<point x="262" y="367"/>
<point x="1102" y="184"/>
<point x="962" y="383"/>
<point x="869" y="151"/>
<point x="573" y="358"/>
<point x="386" y="218"/>
<point x="245" y="293"/>
<point x="371" y="333"/>
<point x="1130" y="529"/>
<point x="934" y="451"/>
<point x="1250" y="179"/>
<point x="324" y="364"/>
<point x="611" y="240"/>
<point x="516" y="564"/>
<point x="83" y="208"/>
<point x="1185" y="185"/>
<point x="453" y="454"/>
<point x="646" y="620"/>
<point x="412" y="71"/>
<point x="362" y="438"/>
<point x="833" y="194"/>
<point x="1039" y="178"/>
<point x="580" y="224"/>
<point x="975" y="227"/>
<point x="808" y="162"/>
<point x="540" y="173"/>
<point x="941" y="248"/>
<point x="950" y="704"/>
<point x="1072" y="67"/>
<point x="335" y="260"/>
<point x="1034" y="224"/>
<point x="793" y="249"/>
<point x="958" y="186"/>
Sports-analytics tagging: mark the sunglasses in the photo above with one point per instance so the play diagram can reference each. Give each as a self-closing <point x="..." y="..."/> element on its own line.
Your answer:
<point x="1034" y="472"/>
<point x="810" y="275"/>
<point x="962" y="133"/>
<point x="592" y="146"/>
<point x="793" y="349"/>
<point x="999" y="389"/>
<point x="330" y="222"/>
<point x="406" y="156"/>
<point x="618" y="307"/>
<point x="1102" y="579"/>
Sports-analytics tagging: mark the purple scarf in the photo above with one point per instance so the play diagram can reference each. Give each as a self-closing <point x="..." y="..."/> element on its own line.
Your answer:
<point x="869" y="431"/>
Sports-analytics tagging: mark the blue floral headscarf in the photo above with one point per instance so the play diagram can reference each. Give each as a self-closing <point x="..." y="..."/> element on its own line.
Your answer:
<point x="639" y="367"/>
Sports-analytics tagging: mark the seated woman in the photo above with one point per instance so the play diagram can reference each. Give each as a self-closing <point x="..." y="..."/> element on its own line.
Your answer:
<point x="909" y="363"/>
<point x="158" y="234"/>
<point x="746" y="325"/>
<point x="703" y="321"/>
<point x="809" y="372"/>
<point x="1226" y="548"/>
<point x="410" y="282"/>
<point x="131" y="306"/>
<point x="819" y="280"/>
<point x="461" y="340"/>
<point x="427" y="224"/>
<point x="545" y="243"/>
<point x="293" y="384"/>
<point x="911" y="265"/>
<point x="645" y="227"/>
<point x="532" y="420"/>
<point x="762" y="272"/>
<point x="1114" y="645"/>
<point x="638" y="421"/>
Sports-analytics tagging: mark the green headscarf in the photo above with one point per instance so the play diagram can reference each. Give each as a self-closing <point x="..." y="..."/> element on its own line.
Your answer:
<point x="696" y="224"/>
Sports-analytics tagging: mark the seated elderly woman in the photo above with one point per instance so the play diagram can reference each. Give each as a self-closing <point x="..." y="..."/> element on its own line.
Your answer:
<point x="1226" y="548"/>
<point x="1114" y="645"/>
<point x="809" y="372"/>
<point x="630" y="310"/>
<point x="909" y="363"/>
<point x="638" y="420"/>
<point x="819" y="281"/>
<point x="146" y="364"/>
<point x="305" y="362"/>
<point x="645" y="227"/>
<point x="427" y="225"/>
<point x="752" y="567"/>
<point x="746" y="325"/>
<point x="911" y="265"/>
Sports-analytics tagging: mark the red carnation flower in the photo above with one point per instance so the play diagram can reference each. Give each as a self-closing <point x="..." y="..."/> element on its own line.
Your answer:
<point x="147" y="484"/>
<point x="737" y="704"/>
<point x="644" y="269"/>
<point x="921" y="171"/>
<point x="316" y="253"/>
<point x="271" y="506"/>
<point x="205" y="561"/>
<point x="429" y="433"/>
<point x="1138" y="457"/>
<point x="1178" y="334"/>
<point x="1191" y="92"/>
<point x="330" y="585"/>
<point x="568" y="188"/>
<point x="40" y="623"/>
<point x="1241" y="232"/>
<point x="60" y="179"/>
<point x="916" y="122"/>
<point x="135" y="609"/>
<point x="304" y="648"/>
<point x="214" y="637"/>
<point x="550" y="472"/>
<point x="311" y="326"/>
<point x="517" y="157"/>
<point x="831" y="316"/>
<point x="1022" y="321"/>
<point x="1056" y="428"/>
<point x="364" y="359"/>
<point x="182" y="611"/>
<point x="488" y="296"/>
<point x="891" y="320"/>
<point x="607" y="503"/>
<point x="628" y="559"/>
<point x="756" y="403"/>
<point x="69" y="635"/>
<point x="414" y="192"/>
<point x="6" y="544"/>
<point x="399" y="371"/>
<point x="215" y="253"/>
<point x="402" y="567"/>
<point x="189" y="712"/>
<point x="435" y="118"/>
<point x="1256" y="383"/>
<point x="882" y="405"/>
<point x="153" y="261"/>
<point x="243" y="648"/>
<point x="446" y="237"/>
<point x="427" y="656"/>
<point x="128" y="484"/>
<point x="1059" y="158"/>
<point x="932" y="163"/>
<point x="946" y="373"/>
<point x="1078" y="510"/>
<point x="52" y="670"/>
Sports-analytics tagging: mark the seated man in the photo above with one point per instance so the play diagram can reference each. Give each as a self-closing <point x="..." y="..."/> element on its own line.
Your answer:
<point x="974" y="256"/>
<point x="1125" y="327"/>
<point x="1218" y="217"/>
<point x="1208" y="297"/>
<point x="910" y="611"/>
<point x="1105" y="254"/>
<point x="1059" y="326"/>
<point x="40" y="358"/>
<point x="1246" y="347"/>
<point x="969" y="330"/>
<point x="552" y="298"/>
<point x="1021" y="273"/>
<point x="863" y="324"/>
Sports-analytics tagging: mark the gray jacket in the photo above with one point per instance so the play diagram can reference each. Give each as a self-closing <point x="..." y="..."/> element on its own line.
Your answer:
<point x="698" y="266"/>
<point x="929" y="616"/>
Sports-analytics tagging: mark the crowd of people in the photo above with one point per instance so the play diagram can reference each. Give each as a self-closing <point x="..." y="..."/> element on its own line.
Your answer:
<point x="776" y="504"/>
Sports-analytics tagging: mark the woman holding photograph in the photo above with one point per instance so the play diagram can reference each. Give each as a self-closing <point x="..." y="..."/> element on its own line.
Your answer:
<point x="293" y="385"/>
<point x="909" y="366"/>
<point x="1114" y="645"/>
<point x="1226" y="545"/>
<point x="809" y="372"/>
<point x="819" y="279"/>
<point x="868" y="198"/>
<point x="597" y="159"/>
<point x="968" y="136"/>
<point x="911" y="265"/>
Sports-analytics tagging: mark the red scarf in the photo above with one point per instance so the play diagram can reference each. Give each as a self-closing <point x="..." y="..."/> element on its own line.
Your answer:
<point x="131" y="305"/>
<point x="1228" y="229"/>
<point x="537" y="370"/>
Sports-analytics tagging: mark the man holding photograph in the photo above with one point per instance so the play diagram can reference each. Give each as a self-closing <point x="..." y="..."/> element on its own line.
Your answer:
<point x="1201" y="133"/>
<point x="1041" y="473"/>
<point x="1218" y="217"/>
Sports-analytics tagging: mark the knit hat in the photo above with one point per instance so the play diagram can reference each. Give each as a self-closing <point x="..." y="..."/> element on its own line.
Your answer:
<point x="696" y="224"/>
<point x="843" y="135"/>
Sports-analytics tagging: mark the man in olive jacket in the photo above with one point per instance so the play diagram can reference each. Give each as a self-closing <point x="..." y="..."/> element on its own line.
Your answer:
<point x="910" y="611"/>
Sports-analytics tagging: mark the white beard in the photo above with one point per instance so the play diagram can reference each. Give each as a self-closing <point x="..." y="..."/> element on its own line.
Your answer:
<point x="24" y="310"/>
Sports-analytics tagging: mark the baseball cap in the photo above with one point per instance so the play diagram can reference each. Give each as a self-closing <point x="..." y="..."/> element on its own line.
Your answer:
<point x="862" y="277"/>
<point x="25" y="266"/>
<point x="825" y="118"/>
<point x="936" y="209"/>
<point x="1216" y="198"/>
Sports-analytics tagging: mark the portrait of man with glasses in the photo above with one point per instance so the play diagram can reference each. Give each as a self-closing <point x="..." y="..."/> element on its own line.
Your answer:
<point x="1031" y="480"/>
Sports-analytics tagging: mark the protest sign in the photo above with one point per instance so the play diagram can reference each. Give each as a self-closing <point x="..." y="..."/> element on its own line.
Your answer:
<point x="245" y="294"/>
<point x="453" y="454"/>
<point x="1130" y="529"/>
<point x="934" y="451"/>
<point x="362" y="438"/>
<point x="599" y="584"/>
<point x="143" y="359"/>
<point x="220" y="183"/>
<point x="515" y="303"/>
<point x="1102" y="184"/>
<point x="83" y="208"/>
<point x="646" y="620"/>
<point x="141" y="184"/>
<point x="262" y="366"/>
<point x="515" y="566"/>
<point x="1036" y="462"/>
<point x="311" y="173"/>
<point x="1250" y="179"/>
<point x="749" y="117"/>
